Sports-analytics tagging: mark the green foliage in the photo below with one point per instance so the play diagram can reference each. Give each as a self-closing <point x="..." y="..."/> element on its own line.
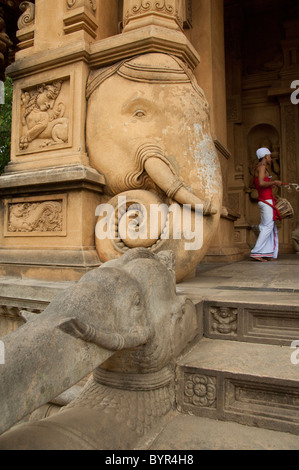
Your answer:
<point x="5" y="125"/>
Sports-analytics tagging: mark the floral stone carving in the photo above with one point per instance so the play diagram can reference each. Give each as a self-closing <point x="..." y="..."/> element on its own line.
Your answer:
<point x="200" y="390"/>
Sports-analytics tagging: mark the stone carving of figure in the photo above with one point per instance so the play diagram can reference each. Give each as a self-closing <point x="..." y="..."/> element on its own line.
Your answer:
<point x="148" y="133"/>
<point x="42" y="117"/>
<point x="224" y="320"/>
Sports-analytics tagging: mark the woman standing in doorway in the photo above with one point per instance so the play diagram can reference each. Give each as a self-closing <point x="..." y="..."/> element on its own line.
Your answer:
<point x="266" y="247"/>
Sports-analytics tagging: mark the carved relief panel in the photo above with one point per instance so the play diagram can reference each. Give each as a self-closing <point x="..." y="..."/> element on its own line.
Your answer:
<point x="44" y="118"/>
<point x="223" y="320"/>
<point x="200" y="390"/>
<point x="35" y="216"/>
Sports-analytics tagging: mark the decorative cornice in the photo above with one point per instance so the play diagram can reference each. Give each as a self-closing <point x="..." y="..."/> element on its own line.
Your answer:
<point x="110" y="50"/>
<point x="140" y="41"/>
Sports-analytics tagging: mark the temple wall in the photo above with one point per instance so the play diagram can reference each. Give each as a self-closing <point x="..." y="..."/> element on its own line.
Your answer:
<point x="260" y="68"/>
<point x="247" y="88"/>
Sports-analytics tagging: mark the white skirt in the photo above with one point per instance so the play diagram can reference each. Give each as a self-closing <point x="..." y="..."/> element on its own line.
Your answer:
<point x="267" y="243"/>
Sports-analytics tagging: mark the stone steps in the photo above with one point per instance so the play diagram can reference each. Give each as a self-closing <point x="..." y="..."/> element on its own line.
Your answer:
<point x="240" y="370"/>
<point x="248" y="383"/>
<point x="273" y="321"/>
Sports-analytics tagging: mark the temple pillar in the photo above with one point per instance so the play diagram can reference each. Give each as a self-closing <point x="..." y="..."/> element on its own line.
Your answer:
<point x="208" y="39"/>
<point x="49" y="192"/>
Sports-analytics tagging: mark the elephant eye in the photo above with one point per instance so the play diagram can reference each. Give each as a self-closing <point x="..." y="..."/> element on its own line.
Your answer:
<point x="137" y="301"/>
<point x="139" y="113"/>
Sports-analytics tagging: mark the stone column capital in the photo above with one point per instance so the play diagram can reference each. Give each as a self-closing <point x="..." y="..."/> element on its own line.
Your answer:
<point x="165" y="13"/>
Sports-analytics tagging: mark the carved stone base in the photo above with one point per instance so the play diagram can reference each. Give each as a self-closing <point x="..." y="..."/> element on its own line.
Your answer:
<point x="48" y="222"/>
<point x="52" y="265"/>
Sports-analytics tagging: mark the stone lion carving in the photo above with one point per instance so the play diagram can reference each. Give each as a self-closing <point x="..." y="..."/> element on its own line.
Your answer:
<point x="123" y="320"/>
<point x="148" y="133"/>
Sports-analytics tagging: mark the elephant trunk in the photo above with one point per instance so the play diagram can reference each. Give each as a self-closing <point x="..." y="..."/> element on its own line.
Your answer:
<point x="110" y="341"/>
<point x="158" y="167"/>
<point x="41" y="361"/>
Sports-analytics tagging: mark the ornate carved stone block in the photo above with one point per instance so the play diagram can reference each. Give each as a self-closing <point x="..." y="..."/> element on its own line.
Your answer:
<point x="44" y="116"/>
<point x="35" y="216"/>
<point x="200" y="390"/>
<point x="90" y="4"/>
<point x="139" y="13"/>
<point x="27" y="18"/>
<point x="80" y="16"/>
<point x="223" y="320"/>
<point x="25" y="34"/>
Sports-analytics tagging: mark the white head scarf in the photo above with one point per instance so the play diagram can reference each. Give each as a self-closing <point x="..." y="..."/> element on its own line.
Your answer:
<point x="262" y="152"/>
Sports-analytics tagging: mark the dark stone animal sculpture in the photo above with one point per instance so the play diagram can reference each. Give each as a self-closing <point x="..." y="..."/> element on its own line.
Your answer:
<point x="123" y="321"/>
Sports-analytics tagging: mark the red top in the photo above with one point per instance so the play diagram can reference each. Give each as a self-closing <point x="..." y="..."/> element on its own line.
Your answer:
<point x="264" y="193"/>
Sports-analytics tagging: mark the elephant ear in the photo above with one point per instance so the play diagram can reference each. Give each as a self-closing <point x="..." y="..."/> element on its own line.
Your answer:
<point x="167" y="258"/>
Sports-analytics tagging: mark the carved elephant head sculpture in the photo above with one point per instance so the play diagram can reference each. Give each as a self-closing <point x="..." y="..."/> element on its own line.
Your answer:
<point x="148" y="133"/>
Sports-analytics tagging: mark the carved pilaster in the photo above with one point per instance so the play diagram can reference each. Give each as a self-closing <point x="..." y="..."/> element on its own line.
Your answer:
<point x="89" y="4"/>
<point x="140" y="13"/>
<point x="80" y="16"/>
<point x="187" y="13"/>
